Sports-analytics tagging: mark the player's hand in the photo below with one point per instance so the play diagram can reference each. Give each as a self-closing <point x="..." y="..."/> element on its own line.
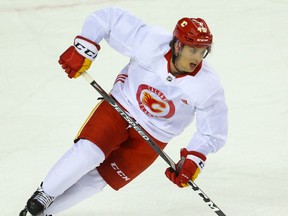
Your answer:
<point x="188" y="168"/>
<point x="78" y="58"/>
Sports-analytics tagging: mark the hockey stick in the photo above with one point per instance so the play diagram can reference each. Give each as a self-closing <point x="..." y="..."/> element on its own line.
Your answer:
<point x="149" y="140"/>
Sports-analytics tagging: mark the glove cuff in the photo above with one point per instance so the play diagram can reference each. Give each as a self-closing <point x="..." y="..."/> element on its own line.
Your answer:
<point x="198" y="161"/>
<point x="86" y="47"/>
<point x="197" y="157"/>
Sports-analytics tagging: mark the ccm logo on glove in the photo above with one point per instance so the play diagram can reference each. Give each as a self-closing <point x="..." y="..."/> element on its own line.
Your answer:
<point x="86" y="48"/>
<point x="78" y="58"/>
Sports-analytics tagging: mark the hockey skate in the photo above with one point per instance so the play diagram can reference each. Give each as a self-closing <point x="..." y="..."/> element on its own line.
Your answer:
<point x="37" y="203"/>
<point x="24" y="213"/>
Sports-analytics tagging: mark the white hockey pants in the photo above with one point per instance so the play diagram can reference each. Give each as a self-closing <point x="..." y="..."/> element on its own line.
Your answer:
<point x="74" y="177"/>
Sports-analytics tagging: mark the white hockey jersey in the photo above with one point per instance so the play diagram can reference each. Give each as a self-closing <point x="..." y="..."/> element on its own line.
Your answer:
<point x="161" y="103"/>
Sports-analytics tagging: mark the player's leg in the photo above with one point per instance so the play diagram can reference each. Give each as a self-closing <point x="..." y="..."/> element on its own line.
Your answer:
<point x="87" y="186"/>
<point x="102" y="133"/>
<point x="81" y="158"/>
<point x="128" y="161"/>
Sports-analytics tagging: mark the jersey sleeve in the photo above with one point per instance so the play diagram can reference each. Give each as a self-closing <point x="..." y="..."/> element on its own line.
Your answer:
<point x="119" y="28"/>
<point x="211" y="124"/>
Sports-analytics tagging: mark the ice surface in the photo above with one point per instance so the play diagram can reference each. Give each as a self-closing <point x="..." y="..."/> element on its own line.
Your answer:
<point x="41" y="109"/>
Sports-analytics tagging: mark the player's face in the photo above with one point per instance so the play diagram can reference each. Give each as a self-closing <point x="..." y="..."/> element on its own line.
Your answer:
<point x="189" y="58"/>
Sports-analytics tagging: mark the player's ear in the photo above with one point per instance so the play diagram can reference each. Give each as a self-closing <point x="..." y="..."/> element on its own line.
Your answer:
<point x="177" y="47"/>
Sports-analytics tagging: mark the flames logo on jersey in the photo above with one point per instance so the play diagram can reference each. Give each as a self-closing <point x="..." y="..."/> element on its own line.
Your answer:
<point x="154" y="103"/>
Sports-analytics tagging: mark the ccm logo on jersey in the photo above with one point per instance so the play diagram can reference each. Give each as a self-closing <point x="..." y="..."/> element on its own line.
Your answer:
<point x="119" y="172"/>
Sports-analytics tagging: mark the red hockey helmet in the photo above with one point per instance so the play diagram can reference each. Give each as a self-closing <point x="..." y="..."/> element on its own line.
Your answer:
<point x="193" y="32"/>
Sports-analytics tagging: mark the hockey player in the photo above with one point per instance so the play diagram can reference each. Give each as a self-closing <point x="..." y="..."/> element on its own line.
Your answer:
<point x="166" y="83"/>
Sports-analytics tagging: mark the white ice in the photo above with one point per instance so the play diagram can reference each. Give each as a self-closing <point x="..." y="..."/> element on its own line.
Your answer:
<point x="41" y="109"/>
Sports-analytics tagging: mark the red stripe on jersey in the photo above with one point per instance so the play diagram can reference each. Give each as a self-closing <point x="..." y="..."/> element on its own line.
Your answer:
<point x="121" y="78"/>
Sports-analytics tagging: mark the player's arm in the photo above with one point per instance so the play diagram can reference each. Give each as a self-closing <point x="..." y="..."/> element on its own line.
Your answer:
<point x="120" y="29"/>
<point x="211" y="122"/>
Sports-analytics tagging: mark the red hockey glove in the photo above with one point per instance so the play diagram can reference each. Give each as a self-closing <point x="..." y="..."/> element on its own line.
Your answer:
<point x="78" y="58"/>
<point x="188" y="168"/>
